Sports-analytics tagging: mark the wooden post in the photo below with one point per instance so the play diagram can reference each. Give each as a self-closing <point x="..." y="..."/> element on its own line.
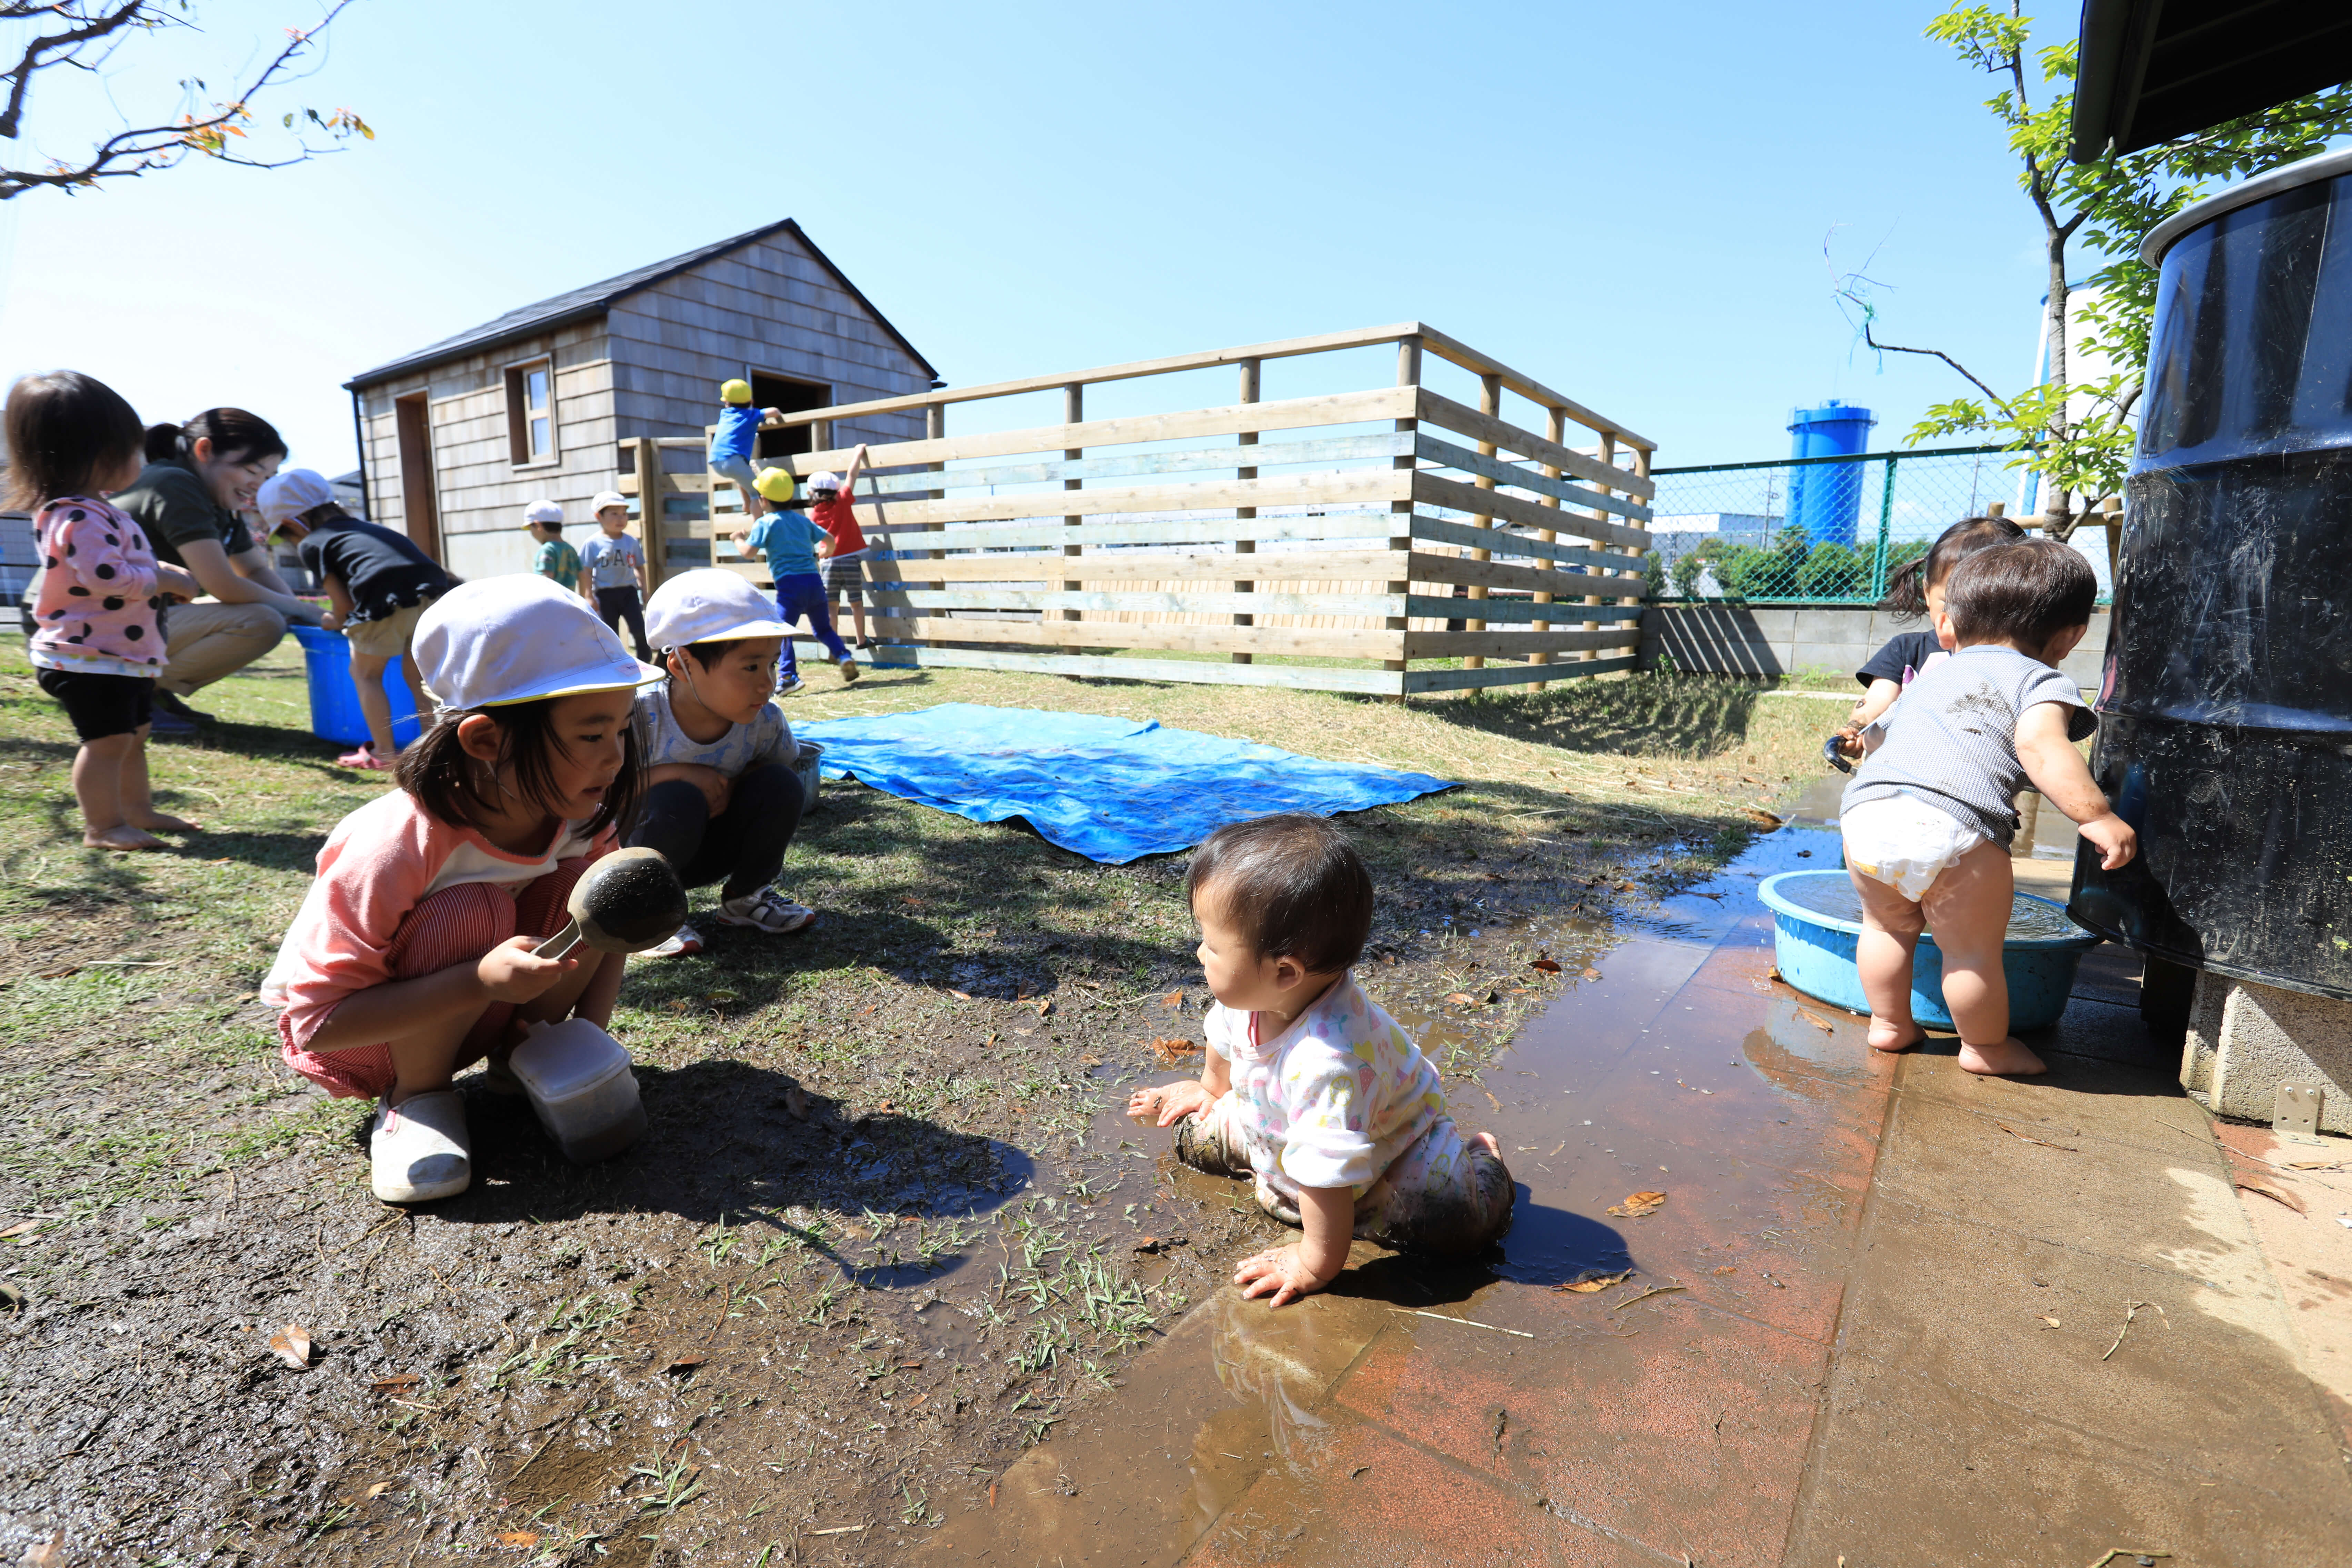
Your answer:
<point x="1608" y="457"/>
<point x="935" y="429"/>
<point x="1408" y="375"/>
<point x="1074" y="410"/>
<point x="1642" y="457"/>
<point x="1490" y="403"/>
<point x="645" y="458"/>
<point x="1249" y="394"/>
<point x="1556" y="432"/>
<point x="2111" y="514"/>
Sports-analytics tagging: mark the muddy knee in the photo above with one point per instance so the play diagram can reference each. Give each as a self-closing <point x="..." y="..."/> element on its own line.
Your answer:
<point x="1209" y="1146"/>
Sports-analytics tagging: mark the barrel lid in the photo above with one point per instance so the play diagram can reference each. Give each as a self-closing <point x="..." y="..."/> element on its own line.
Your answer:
<point x="2286" y="178"/>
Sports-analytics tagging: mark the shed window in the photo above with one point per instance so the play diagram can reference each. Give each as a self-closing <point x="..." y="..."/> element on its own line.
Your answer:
<point x="530" y="411"/>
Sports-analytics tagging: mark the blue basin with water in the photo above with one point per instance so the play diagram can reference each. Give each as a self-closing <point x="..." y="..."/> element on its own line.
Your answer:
<point x="1816" y="919"/>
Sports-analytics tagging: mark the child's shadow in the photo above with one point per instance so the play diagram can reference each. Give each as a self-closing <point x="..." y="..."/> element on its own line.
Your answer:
<point x="1545" y="1245"/>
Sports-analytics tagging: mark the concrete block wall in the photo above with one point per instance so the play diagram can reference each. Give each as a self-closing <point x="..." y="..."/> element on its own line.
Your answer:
<point x="2246" y="1039"/>
<point x="1720" y="637"/>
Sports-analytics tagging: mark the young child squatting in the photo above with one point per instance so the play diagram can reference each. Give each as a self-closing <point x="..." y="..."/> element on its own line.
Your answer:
<point x="1310" y="1086"/>
<point x="1928" y="820"/>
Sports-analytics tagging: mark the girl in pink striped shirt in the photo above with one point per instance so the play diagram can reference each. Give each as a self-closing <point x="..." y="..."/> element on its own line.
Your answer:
<point x="95" y="641"/>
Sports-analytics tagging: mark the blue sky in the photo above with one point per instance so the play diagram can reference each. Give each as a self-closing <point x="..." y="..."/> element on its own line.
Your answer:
<point x="1628" y="202"/>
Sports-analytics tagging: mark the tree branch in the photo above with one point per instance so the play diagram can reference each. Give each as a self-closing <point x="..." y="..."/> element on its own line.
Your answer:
<point x="20" y="78"/>
<point x="1999" y="401"/>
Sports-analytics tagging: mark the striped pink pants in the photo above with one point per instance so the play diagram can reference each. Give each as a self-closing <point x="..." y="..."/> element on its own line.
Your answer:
<point x="455" y="925"/>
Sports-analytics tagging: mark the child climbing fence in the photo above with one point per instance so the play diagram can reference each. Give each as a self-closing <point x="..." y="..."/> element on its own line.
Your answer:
<point x="1389" y="541"/>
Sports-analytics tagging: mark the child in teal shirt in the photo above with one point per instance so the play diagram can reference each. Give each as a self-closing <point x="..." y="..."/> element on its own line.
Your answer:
<point x="793" y="545"/>
<point x="556" y="562"/>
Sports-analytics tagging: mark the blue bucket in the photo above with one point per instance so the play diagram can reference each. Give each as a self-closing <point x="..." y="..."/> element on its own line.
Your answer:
<point x="335" y="701"/>
<point x="1816" y="955"/>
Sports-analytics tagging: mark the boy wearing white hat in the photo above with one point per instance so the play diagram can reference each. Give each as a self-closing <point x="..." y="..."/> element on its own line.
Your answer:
<point x="616" y="567"/>
<point x="722" y="800"/>
<point x="379" y="582"/>
<point x="556" y="562"/>
<point x="413" y="955"/>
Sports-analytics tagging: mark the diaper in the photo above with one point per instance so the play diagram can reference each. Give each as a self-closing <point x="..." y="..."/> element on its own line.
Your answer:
<point x="1905" y="843"/>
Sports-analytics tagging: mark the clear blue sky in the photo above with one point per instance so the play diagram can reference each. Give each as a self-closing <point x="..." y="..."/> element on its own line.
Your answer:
<point x="1627" y="202"/>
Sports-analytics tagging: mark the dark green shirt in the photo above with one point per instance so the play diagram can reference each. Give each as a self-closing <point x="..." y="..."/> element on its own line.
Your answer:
<point x="174" y="504"/>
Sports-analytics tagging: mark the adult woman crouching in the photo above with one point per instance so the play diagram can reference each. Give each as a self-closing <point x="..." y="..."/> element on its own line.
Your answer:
<point x="199" y="475"/>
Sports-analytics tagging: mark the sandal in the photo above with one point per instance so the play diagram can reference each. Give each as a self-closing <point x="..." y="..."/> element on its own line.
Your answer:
<point x="366" y="761"/>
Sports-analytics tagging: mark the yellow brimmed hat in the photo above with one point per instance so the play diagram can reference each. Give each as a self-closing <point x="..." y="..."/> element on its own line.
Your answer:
<point x="738" y="391"/>
<point x="776" y="484"/>
<point x="518" y="639"/>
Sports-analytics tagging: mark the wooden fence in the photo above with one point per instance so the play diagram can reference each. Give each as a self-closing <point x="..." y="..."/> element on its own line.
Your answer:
<point x="1340" y="543"/>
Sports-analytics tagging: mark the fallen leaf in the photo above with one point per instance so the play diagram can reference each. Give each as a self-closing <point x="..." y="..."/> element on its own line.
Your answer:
<point x="1637" y="1205"/>
<point x="1594" y="1284"/>
<point x="796" y="1103"/>
<point x="1457" y="999"/>
<point x="911" y="901"/>
<point x="292" y="1344"/>
<point x="1592" y="974"/>
<point x="11" y="1297"/>
<point x="1091" y="1061"/>
<point x="686" y="1363"/>
<point x="2315" y="1165"/>
<point x="886" y="1105"/>
<point x="516" y="1538"/>
<point x="1173" y="999"/>
<point x="49" y="1553"/>
<point x="380" y="1487"/>
<point x="2276" y="1195"/>
<point x="960" y="996"/>
<point x="1043" y="1004"/>
<point x="1545" y="964"/>
<point x="1816" y="1020"/>
<point x="22" y="1227"/>
<point x="1728" y="1268"/>
<point x="1628" y="886"/>
<point x="1169" y="1050"/>
<point x="400" y="1384"/>
<point x="2052" y="1322"/>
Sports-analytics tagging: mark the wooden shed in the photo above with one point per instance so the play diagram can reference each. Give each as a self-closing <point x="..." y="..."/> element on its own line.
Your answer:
<point x="457" y="439"/>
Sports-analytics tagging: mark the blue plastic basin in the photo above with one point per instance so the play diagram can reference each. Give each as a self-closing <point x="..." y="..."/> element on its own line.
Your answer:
<point x="1816" y="955"/>
<point x="335" y="701"/>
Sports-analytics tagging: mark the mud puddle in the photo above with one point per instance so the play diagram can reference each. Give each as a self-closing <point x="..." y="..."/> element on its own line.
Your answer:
<point x="1668" y="1063"/>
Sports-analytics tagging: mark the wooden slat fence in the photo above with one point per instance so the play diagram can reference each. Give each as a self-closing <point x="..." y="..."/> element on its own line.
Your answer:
<point x="1384" y="529"/>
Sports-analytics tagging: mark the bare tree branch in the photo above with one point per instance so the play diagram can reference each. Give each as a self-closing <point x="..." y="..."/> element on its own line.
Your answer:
<point x="20" y="78"/>
<point x="140" y="149"/>
<point x="1999" y="401"/>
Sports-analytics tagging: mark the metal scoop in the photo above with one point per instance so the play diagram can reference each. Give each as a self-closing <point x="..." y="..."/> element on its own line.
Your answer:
<point x="626" y="902"/>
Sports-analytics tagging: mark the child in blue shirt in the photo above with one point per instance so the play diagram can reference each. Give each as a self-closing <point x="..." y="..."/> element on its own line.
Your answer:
<point x="792" y="546"/>
<point x="731" y="444"/>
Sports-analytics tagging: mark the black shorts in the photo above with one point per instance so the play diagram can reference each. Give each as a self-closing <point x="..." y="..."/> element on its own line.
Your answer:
<point x="100" y="705"/>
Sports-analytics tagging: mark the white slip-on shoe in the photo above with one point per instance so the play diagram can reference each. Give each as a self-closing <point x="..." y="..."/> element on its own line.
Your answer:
<point x="419" y="1150"/>
<point x="768" y="911"/>
<point x="685" y="942"/>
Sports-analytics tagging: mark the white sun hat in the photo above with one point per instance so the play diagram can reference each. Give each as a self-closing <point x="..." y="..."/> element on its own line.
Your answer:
<point x="544" y="511"/>
<point x="608" y="498"/>
<point x="518" y="639"/>
<point x="290" y="495"/>
<point x="823" y="480"/>
<point x="710" y="605"/>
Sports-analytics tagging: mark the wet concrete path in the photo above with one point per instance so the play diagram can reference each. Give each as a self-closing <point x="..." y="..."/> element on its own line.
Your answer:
<point x="1833" y="1340"/>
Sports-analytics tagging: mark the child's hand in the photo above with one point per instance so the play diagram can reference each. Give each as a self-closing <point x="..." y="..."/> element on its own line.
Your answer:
<point x="2116" y="842"/>
<point x="1170" y="1103"/>
<point x="1282" y="1273"/>
<point x="511" y="971"/>
<point x="331" y="621"/>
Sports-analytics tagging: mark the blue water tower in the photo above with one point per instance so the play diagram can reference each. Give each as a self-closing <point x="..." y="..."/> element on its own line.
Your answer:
<point x="1826" y="499"/>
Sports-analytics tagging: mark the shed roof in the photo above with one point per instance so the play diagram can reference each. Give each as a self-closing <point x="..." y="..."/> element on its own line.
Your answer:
<point x="580" y="304"/>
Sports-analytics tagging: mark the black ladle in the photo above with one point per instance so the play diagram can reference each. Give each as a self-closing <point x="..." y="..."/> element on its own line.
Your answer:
<point x="626" y="902"/>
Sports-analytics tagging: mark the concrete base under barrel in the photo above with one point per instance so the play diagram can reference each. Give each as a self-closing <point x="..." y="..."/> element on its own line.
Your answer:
<point x="2247" y="1040"/>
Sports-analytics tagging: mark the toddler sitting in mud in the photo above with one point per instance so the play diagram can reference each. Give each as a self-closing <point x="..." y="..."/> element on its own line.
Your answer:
<point x="1310" y="1086"/>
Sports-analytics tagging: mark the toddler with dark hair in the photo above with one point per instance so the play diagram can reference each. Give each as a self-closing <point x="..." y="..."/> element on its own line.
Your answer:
<point x="1310" y="1088"/>
<point x="1928" y="820"/>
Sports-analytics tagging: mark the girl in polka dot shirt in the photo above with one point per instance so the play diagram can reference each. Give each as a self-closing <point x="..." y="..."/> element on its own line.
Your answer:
<point x="95" y="644"/>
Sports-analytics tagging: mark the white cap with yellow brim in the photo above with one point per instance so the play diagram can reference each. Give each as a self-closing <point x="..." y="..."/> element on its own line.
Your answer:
<point x="518" y="639"/>
<point x="710" y="605"/>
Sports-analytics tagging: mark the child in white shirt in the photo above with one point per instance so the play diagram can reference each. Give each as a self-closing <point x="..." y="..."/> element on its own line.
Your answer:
<point x="1310" y="1086"/>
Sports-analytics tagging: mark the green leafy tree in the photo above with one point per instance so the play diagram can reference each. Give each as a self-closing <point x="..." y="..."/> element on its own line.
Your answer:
<point x="2081" y="428"/>
<point x="55" y="41"/>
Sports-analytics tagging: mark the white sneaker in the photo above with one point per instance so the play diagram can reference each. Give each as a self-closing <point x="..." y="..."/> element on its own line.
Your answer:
<point x="850" y="670"/>
<point x="768" y="911"/>
<point x="791" y="687"/>
<point x="419" y="1151"/>
<point x="685" y="944"/>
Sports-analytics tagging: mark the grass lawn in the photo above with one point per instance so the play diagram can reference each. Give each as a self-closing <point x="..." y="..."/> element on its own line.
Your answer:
<point x="887" y="1228"/>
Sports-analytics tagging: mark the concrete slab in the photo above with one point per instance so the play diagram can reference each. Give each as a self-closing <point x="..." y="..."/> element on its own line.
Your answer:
<point x="2308" y="1248"/>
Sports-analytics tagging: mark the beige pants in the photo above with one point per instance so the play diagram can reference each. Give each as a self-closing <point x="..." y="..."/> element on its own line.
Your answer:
<point x="204" y="643"/>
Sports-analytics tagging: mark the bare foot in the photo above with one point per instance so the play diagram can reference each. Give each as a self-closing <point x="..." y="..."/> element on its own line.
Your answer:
<point x="2006" y="1058"/>
<point x="1886" y="1035"/>
<point x="122" y="838"/>
<point x="164" y="822"/>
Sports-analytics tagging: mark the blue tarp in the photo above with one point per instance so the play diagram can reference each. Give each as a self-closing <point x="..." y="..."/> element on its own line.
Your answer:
<point x="1111" y="789"/>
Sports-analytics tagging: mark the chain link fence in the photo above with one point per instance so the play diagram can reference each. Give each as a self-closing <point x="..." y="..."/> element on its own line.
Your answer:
<point x="1820" y="529"/>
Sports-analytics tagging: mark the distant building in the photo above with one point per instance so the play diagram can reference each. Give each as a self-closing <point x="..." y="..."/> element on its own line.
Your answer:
<point x="458" y="437"/>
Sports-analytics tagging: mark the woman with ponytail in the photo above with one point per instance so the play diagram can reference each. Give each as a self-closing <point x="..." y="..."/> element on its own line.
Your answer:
<point x="199" y="475"/>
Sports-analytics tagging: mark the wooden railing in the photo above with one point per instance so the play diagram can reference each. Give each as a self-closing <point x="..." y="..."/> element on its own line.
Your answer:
<point x="1379" y="528"/>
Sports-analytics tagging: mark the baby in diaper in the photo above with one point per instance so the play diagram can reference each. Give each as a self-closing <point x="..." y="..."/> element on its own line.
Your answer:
<point x="1928" y="819"/>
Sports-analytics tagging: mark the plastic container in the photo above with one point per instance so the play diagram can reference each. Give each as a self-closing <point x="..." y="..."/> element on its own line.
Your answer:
<point x="1815" y="952"/>
<point x="812" y="759"/>
<point x="335" y="701"/>
<point x="2225" y="728"/>
<point x="579" y="1081"/>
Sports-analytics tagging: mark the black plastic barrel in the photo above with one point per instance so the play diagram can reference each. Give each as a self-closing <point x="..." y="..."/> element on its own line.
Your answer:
<point x="2226" y="709"/>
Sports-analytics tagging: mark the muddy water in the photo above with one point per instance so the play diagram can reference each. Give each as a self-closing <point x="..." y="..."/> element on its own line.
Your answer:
<point x="1667" y="1063"/>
